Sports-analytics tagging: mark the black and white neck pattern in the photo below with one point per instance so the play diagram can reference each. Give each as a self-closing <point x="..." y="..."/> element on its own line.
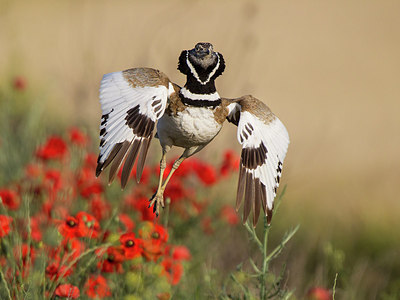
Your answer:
<point x="199" y="79"/>
<point x="199" y="100"/>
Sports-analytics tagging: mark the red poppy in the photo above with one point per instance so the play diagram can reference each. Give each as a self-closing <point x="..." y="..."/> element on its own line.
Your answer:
<point x="88" y="184"/>
<point x="155" y="233"/>
<point x="125" y="220"/>
<point x="97" y="287"/>
<point x="131" y="245"/>
<point x="77" y="137"/>
<point x="154" y="238"/>
<point x="114" y="257"/>
<point x="54" y="271"/>
<point x="5" y="222"/>
<point x="173" y="270"/>
<point x="25" y="254"/>
<point x="91" y="227"/>
<point x="94" y="188"/>
<point x="141" y="205"/>
<point x="19" y="83"/>
<point x="67" y="291"/>
<point x="185" y="168"/>
<point x="71" y="228"/>
<point x="181" y="253"/>
<point x="230" y="163"/>
<point x="175" y="191"/>
<point x="318" y="293"/>
<point x="90" y="161"/>
<point x="36" y="234"/>
<point x="229" y="214"/>
<point x="99" y="208"/>
<point x="73" y="247"/>
<point x="205" y="172"/>
<point x="9" y="198"/>
<point x="53" y="179"/>
<point x="54" y="148"/>
<point x="22" y="252"/>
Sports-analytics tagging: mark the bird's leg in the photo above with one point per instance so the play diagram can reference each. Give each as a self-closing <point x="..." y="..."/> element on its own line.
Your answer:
<point x="157" y="199"/>
<point x="174" y="167"/>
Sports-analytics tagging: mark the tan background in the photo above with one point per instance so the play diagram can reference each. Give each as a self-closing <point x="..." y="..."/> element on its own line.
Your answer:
<point x="330" y="71"/>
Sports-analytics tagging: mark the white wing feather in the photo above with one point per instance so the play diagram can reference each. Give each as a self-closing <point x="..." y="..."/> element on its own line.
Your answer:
<point x="264" y="141"/>
<point x="129" y="113"/>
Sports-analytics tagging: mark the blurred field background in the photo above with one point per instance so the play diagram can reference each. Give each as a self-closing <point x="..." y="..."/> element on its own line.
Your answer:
<point x="330" y="71"/>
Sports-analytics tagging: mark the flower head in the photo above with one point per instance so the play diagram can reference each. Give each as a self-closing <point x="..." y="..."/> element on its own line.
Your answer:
<point x="77" y="137"/>
<point x="19" y="83"/>
<point x="5" y="222"/>
<point x="173" y="270"/>
<point x="154" y="238"/>
<point x="71" y="228"/>
<point x="181" y="253"/>
<point x="9" y="198"/>
<point x="90" y="225"/>
<point x="67" y="291"/>
<point x="229" y="214"/>
<point x="54" y="148"/>
<point x="114" y="257"/>
<point x="131" y="245"/>
<point x="318" y="293"/>
<point x="205" y="172"/>
<point x="97" y="287"/>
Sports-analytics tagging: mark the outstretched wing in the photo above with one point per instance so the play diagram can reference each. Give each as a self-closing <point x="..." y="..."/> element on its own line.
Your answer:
<point x="264" y="141"/>
<point x="131" y="102"/>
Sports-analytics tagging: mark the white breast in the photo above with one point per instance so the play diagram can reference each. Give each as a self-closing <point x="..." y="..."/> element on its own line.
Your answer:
<point x="193" y="126"/>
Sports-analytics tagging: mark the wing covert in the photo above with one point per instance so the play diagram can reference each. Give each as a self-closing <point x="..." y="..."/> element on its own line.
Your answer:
<point x="131" y="102"/>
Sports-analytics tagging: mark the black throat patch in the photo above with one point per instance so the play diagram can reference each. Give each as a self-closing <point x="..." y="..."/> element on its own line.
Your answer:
<point x="200" y="103"/>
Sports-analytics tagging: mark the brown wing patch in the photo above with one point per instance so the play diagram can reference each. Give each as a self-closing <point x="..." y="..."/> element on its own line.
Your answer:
<point x="141" y="125"/>
<point x="175" y="104"/>
<point x="254" y="157"/>
<point x="252" y="105"/>
<point x="142" y="77"/>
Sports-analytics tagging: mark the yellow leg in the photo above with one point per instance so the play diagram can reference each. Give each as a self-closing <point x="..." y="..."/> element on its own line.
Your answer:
<point x="158" y="198"/>
<point x="175" y="166"/>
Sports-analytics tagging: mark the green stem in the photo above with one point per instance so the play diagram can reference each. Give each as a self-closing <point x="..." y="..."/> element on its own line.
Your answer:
<point x="253" y="234"/>
<point x="5" y="284"/>
<point x="286" y="239"/>
<point x="263" y="275"/>
<point x="73" y="262"/>
<point x="334" y="287"/>
<point x="239" y="284"/>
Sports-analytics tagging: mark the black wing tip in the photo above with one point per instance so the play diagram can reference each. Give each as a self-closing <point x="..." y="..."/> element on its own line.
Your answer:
<point x="99" y="169"/>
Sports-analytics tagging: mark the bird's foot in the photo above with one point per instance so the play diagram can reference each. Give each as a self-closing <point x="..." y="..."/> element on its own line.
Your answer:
<point x="156" y="200"/>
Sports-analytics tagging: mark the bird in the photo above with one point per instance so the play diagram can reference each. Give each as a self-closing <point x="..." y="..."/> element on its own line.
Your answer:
<point x="136" y="101"/>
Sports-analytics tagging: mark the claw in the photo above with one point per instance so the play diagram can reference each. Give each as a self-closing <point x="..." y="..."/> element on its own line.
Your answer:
<point x="156" y="200"/>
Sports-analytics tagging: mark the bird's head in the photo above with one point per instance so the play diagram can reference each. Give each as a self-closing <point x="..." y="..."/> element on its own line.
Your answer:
<point x="203" y="55"/>
<point x="201" y="62"/>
